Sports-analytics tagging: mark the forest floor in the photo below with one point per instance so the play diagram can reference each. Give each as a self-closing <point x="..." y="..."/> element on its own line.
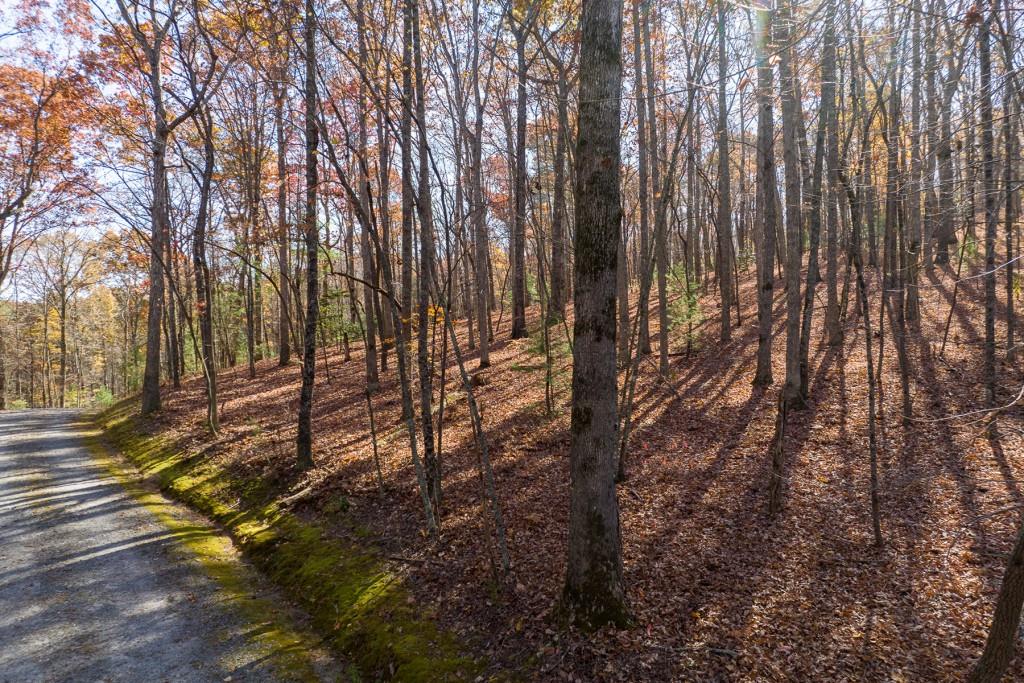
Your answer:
<point x="718" y="590"/>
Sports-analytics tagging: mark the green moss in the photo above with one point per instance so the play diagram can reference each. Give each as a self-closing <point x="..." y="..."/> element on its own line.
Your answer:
<point x="363" y="609"/>
<point x="287" y="648"/>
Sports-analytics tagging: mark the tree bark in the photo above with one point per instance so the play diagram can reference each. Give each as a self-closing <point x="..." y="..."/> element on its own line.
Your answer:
<point x="366" y="254"/>
<point x="556" y="307"/>
<point x="991" y="208"/>
<point x="660" y="198"/>
<point x="643" y="192"/>
<point x="1003" y="633"/>
<point x="1010" y="164"/>
<point x="828" y="89"/>
<point x="431" y="461"/>
<point x="791" y="158"/>
<point x="304" y="440"/>
<point x="767" y="190"/>
<point x="989" y="190"/>
<point x="519" y="220"/>
<point x="481" y="260"/>
<point x="724" y="195"/>
<point x="151" y="374"/>
<point x="284" y="348"/>
<point x="204" y="292"/>
<point x="408" y="192"/>
<point x="594" y="593"/>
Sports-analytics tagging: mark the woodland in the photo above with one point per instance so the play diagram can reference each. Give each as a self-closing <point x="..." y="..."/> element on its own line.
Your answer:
<point x="648" y="340"/>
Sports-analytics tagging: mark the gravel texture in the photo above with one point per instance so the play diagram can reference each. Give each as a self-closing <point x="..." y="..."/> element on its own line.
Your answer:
<point x="94" y="588"/>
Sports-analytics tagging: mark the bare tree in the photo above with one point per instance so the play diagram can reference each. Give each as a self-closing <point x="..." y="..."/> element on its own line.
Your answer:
<point x="149" y="28"/>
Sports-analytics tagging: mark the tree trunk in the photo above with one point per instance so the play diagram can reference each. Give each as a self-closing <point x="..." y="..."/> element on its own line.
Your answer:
<point x="387" y="328"/>
<point x="1010" y="164"/>
<point x="3" y="373"/>
<point x="556" y="306"/>
<point x="369" y="272"/>
<point x="594" y="593"/>
<point x="895" y="258"/>
<point x="284" y="348"/>
<point x="158" y="212"/>
<point x="204" y="294"/>
<point x="912" y="198"/>
<point x="622" y="292"/>
<point x="643" y="193"/>
<point x="660" y="199"/>
<point x="767" y="190"/>
<point x="519" y="221"/>
<point x="408" y="193"/>
<point x="946" y="235"/>
<point x="791" y="391"/>
<point x="724" y="196"/>
<point x="991" y="208"/>
<point x="481" y="260"/>
<point x="828" y="89"/>
<point x="1003" y="634"/>
<point x="833" y="226"/>
<point x="431" y="462"/>
<point x="304" y="440"/>
<point x="931" y="66"/>
<point x="62" y="346"/>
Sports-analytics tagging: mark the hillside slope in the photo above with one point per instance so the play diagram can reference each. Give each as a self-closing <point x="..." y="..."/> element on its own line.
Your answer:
<point x="719" y="591"/>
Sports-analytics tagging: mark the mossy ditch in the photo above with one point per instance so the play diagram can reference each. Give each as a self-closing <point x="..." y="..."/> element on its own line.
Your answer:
<point x="362" y="609"/>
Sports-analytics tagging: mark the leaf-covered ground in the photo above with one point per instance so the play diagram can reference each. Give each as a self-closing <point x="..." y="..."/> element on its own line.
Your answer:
<point x="718" y="591"/>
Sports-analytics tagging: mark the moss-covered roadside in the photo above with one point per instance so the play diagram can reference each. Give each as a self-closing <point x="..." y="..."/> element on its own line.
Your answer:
<point x="291" y="651"/>
<point x="363" y="610"/>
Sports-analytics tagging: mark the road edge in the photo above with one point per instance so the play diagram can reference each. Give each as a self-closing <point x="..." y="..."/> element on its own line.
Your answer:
<point x="362" y="610"/>
<point x="292" y="648"/>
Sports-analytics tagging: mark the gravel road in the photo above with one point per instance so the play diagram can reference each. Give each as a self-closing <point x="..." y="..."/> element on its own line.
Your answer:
<point x="94" y="588"/>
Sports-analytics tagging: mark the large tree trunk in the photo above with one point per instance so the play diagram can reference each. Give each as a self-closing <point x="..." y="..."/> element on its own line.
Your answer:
<point x="594" y="594"/>
<point x="250" y="301"/>
<point x="304" y="440"/>
<point x="1003" y="634"/>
